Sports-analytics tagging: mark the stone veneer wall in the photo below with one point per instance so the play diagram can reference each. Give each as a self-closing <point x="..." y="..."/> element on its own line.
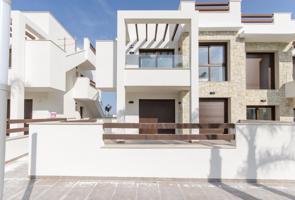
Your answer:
<point x="234" y="88"/>
<point x="284" y="74"/>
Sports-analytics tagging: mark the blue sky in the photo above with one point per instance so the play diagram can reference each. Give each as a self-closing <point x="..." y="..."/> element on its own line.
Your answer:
<point x="96" y="19"/>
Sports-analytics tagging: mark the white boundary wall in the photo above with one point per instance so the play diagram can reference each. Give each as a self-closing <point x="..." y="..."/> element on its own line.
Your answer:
<point x="263" y="151"/>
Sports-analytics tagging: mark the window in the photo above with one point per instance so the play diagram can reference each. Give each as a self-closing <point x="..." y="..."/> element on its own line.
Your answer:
<point x="260" y="72"/>
<point x="260" y="113"/>
<point x="156" y="58"/>
<point x="213" y="62"/>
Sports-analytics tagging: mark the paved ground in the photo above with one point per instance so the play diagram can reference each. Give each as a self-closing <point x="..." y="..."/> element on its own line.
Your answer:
<point x="18" y="186"/>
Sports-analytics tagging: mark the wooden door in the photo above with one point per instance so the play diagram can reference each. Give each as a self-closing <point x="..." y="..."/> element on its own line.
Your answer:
<point x="157" y="111"/>
<point x="28" y="112"/>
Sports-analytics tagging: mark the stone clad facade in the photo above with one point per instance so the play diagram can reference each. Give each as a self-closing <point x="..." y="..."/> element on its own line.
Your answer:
<point x="234" y="89"/>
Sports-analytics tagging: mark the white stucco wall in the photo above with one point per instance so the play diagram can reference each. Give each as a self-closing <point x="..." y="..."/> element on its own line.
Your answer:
<point x="263" y="151"/>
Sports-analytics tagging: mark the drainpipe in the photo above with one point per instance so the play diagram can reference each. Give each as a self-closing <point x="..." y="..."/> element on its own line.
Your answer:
<point x="5" y="7"/>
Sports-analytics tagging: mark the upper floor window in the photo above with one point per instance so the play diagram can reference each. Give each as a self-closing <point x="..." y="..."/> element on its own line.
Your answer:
<point x="156" y="58"/>
<point x="213" y="62"/>
<point x="260" y="71"/>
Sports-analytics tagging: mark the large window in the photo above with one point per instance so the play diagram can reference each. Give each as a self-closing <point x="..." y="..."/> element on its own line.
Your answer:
<point x="260" y="112"/>
<point x="260" y="73"/>
<point x="156" y="58"/>
<point x="213" y="62"/>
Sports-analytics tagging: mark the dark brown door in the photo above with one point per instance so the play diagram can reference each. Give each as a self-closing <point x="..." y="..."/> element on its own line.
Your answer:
<point x="157" y="111"/>
<point x="8" y="114"/>
<point x="213" y="111"/>
<point x="28" y="110"/>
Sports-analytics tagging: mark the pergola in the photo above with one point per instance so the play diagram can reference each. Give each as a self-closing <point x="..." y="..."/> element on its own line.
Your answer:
<point x="5" y="8"/>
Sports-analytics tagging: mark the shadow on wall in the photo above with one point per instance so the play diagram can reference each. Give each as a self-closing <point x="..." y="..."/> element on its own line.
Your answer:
<point x="33" y="157"/>
<point x="252" y="164"/>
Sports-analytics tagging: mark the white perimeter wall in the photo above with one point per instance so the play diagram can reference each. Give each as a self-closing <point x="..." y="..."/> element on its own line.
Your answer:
<point x="16" y="147"/>
<point x="262" y="152"/>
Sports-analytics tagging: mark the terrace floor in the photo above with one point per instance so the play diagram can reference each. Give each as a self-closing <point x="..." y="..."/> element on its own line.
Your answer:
<point x="18" y="186"/>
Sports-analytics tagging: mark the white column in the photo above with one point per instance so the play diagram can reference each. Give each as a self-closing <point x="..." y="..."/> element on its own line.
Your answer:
<point x="5" y="7"/>
<point x="194" y="45"/>
<point x="121" y="57"/>
<point x="17" y="87"/>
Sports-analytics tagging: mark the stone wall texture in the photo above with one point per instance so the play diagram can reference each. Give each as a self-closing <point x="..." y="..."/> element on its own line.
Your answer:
<point x="234" y="89"/>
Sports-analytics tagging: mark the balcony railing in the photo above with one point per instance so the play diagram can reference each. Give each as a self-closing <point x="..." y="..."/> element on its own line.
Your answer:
<point x="212" y="6"/>
<point x="257" y="18"/>
<point x="157" y="61"/>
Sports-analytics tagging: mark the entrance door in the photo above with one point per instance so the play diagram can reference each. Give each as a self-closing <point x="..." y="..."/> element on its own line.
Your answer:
<point x="157" y="111"/>
<point x="213" y="111"/>
<point x="28" y="112"/>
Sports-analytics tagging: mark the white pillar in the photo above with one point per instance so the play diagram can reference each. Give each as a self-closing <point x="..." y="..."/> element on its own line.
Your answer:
<point x="17" y="87"/>
<point x="5" y="7"/>
<point x="194" y="61"/>
<point x="121" y="57"/>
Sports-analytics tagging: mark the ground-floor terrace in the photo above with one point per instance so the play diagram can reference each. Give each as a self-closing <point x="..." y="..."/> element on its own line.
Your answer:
<point x="170" y="105"/>
<point x="19" y="186"/>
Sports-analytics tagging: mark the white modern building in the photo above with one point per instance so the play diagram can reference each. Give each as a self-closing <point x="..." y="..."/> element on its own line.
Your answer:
<point x="205" y="62"/>
<point x="49" y="76"/>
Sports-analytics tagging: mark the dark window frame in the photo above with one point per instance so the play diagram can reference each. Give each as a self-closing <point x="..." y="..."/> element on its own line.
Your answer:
<point x="273" y="72"/>
<point x="273" y="111"/>
<point x="156" y="52"/>
<point x="225" y="57"/>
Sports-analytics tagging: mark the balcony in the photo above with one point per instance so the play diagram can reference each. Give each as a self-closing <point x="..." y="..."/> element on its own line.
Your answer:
<point x="157" y="61"/>
<point x="157" y="70"/>
<point x="84" y="89"/>
<point x="44" y="65"/>
<point x="290" y="90"/>
<point x="279" y="27"/>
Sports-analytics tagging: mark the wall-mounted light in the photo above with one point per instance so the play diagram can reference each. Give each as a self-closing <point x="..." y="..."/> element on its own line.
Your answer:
<point x="131" y="102"/>
<point x="179" y="103"/>
<point x="131" y="52"/>
<point x="263" y="101"/>
<point x="212" y="93"/>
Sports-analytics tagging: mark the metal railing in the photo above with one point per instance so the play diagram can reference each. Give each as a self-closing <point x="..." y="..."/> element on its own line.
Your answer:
<point x="212" y="6"/>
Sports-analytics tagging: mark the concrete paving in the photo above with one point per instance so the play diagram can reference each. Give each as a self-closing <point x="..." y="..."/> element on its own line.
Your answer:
<point x="19" y="187"/>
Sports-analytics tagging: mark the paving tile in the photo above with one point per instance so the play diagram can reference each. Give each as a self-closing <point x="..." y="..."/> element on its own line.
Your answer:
<point x="148" y="191"/>
<point x="58" y="190"/>
<point x="170" y="191"/>
<point x="81" y="190"/>
<point x="126" y="191"/>
<point x="103" y="191"/>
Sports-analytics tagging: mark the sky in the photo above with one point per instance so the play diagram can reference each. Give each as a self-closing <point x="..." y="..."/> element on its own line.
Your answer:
<point x="96" y="19"/>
